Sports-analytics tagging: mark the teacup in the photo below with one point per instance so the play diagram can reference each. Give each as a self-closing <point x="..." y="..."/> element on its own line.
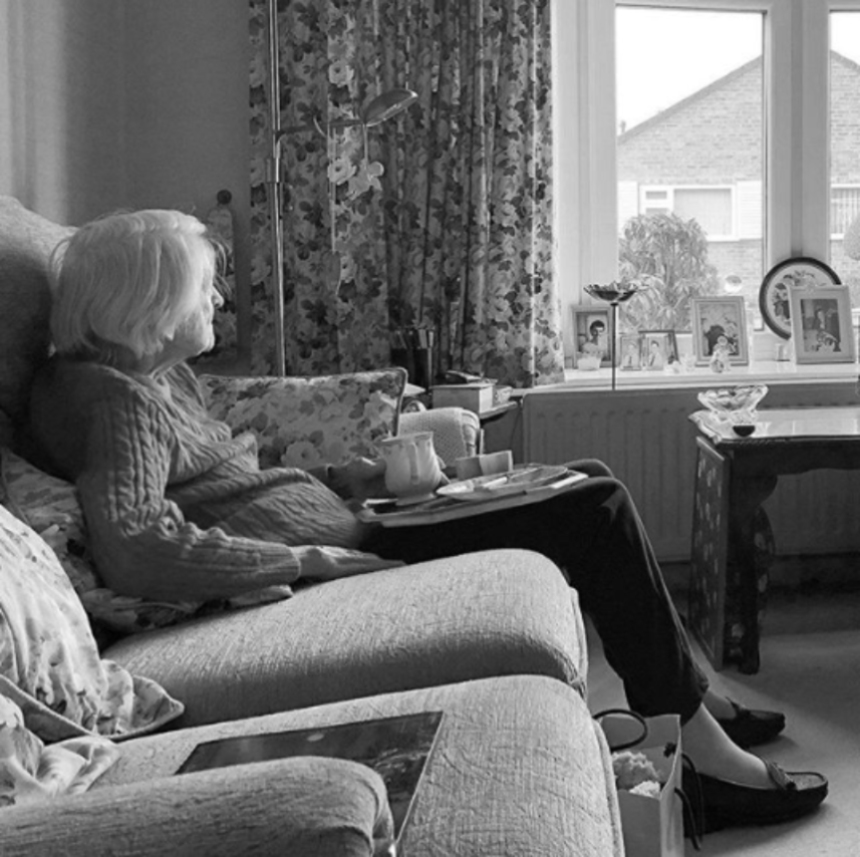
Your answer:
<point x="412" y="469"/>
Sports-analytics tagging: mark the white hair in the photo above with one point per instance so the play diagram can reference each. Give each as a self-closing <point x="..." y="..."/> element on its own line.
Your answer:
<point x="128" y="281"/>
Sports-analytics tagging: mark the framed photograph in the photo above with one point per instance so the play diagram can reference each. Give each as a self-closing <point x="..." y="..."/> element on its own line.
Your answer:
<point x="773" y="297"/>
<point x="720" y="322"/>
<point x="593" y="336"/>
<point x="630" y="352"/>
<point x="657" y="348"/>
<point x="821" y="325"/>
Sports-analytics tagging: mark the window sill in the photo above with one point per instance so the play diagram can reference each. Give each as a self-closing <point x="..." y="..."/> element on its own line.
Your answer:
<point x="759" y="372"/>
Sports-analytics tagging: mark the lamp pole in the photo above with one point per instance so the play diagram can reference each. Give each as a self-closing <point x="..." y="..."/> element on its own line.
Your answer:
<point x="273" y="179"/>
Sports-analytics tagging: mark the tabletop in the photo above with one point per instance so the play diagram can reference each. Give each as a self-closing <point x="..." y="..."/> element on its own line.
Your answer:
<point x="781" y="424"/>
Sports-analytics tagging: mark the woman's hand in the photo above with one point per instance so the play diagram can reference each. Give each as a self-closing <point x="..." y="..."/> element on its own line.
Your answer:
<point x="330" y="563"/>
<point x="358" y="479"/>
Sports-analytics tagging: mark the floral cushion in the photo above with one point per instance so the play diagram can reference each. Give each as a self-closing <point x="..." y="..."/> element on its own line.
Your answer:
<point x="303" y="422"/>
<point x="49" y="655"/>
<point x="50" y="507"/>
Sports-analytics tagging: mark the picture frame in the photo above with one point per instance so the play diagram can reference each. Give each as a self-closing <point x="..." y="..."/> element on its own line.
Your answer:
<point x="720" y="319"/>
<point x="821" y="325"/>
<point x="630" y="352"/>
<point x="592" y="335"/>
<point x="798" y="272"/>
<point x="657" y="349"/>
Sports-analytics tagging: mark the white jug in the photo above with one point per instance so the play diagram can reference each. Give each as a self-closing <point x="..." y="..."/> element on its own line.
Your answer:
<point x="411" y="467"/>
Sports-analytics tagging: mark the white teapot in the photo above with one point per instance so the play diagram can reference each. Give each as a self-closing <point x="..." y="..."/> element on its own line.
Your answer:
<point x="412" y="469"/>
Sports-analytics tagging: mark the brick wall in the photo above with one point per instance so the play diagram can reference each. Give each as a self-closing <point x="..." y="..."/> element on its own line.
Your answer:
<point x="715" y="137"/>
<point x="712" y="137"/>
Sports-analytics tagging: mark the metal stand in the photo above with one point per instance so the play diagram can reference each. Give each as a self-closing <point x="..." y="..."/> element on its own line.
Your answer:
<point x="614" y="305"/>
<point x="273" y="179"/>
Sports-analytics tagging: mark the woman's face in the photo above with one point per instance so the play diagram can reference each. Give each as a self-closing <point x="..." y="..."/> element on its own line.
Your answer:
<point x="196" y="334"/>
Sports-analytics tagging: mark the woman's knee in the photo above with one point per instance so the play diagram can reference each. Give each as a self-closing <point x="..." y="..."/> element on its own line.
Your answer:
<point x="591" y="466"/>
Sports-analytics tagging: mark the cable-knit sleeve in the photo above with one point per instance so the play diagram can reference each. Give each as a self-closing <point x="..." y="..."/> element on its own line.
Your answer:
<point x="141" y="541"/>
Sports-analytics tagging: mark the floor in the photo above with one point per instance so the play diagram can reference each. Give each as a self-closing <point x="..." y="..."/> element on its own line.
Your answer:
<point x="810" y="668"/>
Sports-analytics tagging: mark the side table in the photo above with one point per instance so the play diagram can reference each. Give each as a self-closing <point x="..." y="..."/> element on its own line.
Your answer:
<point x="732" y="542"/>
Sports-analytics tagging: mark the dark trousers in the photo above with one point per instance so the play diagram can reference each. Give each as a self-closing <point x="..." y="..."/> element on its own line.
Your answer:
<point x="594" y="533"/>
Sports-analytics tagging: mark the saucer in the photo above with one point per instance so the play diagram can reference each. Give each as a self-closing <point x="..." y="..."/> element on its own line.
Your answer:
<point x="517" y="481"/>
<point x="412" y="501"/>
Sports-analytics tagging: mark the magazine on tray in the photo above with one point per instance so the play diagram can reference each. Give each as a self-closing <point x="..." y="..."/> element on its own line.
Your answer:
<point x="526" y="484"/>
<point x="397" y="748"/>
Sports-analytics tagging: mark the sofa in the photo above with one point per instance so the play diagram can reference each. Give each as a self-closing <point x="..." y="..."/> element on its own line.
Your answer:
<point x="494" y="640"/>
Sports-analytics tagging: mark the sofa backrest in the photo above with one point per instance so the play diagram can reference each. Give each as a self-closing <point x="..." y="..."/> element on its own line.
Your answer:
<point x="26" y="242"/>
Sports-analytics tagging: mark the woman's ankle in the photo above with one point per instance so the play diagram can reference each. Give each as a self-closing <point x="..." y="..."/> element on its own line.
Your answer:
<point x="719" y="706"/>
<point x="716" y="755"/>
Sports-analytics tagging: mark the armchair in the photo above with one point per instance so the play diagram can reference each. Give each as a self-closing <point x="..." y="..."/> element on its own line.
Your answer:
<point x="494" y="639"/>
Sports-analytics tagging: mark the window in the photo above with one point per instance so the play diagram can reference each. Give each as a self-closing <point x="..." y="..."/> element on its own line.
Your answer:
<point x="690" y="117"/>
<point x="844" y="143"/>
<point x="655" y="201"/>
<point x="711" y="207"/>
<point x="844" y="207"/>
<point x="783" y="189"/>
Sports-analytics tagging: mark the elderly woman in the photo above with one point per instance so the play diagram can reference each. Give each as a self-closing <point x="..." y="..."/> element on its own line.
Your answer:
<point x="177" y="508"/>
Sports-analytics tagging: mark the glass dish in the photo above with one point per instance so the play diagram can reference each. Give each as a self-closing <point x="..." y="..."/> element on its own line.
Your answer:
<point x="734" y="404"/>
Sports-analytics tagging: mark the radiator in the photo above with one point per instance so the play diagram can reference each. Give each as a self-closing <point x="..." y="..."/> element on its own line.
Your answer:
<point x="649" y="442"/>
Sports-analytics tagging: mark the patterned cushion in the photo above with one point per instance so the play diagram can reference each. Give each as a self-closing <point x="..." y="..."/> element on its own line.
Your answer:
<point x="26" y="243"/>
<point x="50" y="507"/>
<point x="49" y="656"/>
<point x="303" y="422"/>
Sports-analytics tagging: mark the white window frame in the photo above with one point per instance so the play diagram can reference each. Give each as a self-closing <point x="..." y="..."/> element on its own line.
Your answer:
<point x="670" y="191"/>
<point x="796" y="51"/>
<point x="645" y="189"/>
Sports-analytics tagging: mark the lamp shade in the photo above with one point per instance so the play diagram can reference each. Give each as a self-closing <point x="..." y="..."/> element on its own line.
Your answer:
<point x="387" y="105"/>
<point x="851" y="240"/>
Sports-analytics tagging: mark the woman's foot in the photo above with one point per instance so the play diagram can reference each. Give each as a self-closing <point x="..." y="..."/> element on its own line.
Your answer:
<point x="725" y="804"/>
<point x="716" y="755"/>
<point x="737" y="787"/>
<point x="746" y="727"/>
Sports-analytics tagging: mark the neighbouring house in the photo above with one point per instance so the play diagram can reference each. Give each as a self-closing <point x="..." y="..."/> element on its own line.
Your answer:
<point x="703" y="157"/>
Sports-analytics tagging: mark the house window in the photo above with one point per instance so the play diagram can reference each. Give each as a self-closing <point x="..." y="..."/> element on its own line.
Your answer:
<point x="844" y="207"/>
<point x="844" y="142"/>
<point x="690" y="120"/>
<point x="621" y="84"/>
<point x="710" y="207"/>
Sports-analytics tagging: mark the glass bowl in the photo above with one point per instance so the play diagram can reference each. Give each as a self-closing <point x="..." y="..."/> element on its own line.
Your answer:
<point x="614" y="291"/>
<point x="736" y="404"/>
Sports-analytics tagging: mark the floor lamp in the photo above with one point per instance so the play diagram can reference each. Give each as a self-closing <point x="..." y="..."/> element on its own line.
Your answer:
<point x="378" y="110"/>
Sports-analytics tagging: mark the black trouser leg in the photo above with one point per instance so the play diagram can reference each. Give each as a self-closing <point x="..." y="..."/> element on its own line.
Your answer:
<point x="594" y="533"/>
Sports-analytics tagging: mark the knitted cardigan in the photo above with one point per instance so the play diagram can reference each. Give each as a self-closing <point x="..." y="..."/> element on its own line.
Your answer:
<point x="176" y="508"/>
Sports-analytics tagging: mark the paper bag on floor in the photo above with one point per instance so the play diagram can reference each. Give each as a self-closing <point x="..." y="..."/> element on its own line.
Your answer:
<point x="652" y="824"/>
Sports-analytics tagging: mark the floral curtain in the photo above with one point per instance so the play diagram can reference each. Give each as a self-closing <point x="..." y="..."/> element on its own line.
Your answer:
<point x="440" y="218"/>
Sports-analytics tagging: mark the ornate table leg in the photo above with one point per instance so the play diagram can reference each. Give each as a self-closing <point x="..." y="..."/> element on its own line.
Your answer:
<point x="750" y="553"/>
<point x="707" y="591"/>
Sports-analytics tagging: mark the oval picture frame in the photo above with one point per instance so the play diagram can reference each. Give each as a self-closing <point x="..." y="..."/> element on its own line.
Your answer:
<point x="797" y="272"/>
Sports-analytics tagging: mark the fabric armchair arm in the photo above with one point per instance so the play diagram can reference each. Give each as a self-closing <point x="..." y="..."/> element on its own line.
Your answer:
<point x="456" y="431"/>
<point x="311" y="806"/>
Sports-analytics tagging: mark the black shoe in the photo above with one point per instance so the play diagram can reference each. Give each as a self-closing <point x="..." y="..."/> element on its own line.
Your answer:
<point x="750" y="727"/>
<point x="717" y="804"/>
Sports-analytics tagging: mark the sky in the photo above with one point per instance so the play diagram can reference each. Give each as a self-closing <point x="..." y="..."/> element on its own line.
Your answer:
<point x="663" y="55"/>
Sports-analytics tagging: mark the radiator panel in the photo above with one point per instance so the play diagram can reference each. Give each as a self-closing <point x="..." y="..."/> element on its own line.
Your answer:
<point x="649" y="442"/>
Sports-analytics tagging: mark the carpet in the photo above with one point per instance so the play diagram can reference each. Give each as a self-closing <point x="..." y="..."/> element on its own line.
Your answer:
<point x="815" y="679"/>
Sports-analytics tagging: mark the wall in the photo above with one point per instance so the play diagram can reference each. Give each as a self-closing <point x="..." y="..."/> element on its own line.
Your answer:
<point x="186" y="91"/>
<point x="107" y="105"/>
<point x="61" y="106"/>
